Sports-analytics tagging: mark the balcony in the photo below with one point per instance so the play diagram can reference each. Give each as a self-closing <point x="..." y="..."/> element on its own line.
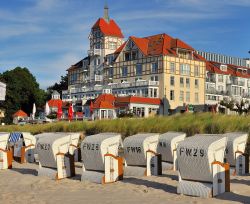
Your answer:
<point x="145" y="83"/>
<point x="93" y="52"/>
<point x="238" y="83"/>
<point x="216" y="92"/>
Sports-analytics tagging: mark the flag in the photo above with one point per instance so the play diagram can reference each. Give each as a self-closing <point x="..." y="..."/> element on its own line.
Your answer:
<point x="59" y="112"/>
<point x="47" y="110"/>
<point x="70" y="112"/>
<point x="33" y="111"/>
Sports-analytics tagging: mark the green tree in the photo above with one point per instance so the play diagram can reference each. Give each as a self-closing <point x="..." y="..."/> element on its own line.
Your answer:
<point x="21" y="92"/>
<point x="62" y="85"/>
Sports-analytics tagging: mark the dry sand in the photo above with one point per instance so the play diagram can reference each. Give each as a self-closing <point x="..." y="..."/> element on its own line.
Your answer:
<point x="21" y="185"/>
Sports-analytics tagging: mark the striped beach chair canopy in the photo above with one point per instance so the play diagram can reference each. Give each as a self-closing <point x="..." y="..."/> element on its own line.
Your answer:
<point x="15" y="136"/>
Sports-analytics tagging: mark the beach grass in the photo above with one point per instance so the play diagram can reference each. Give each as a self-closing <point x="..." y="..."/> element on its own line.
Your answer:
<point x="188" y="123"/>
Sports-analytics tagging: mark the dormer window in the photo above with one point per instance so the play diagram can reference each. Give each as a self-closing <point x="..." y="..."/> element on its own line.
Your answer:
<point x="241" y="70"/>
<point x="184" y="54"/>
<point x="131" y="44"/>
<point x="128" y="56"/>
<point x="223" y="67"/>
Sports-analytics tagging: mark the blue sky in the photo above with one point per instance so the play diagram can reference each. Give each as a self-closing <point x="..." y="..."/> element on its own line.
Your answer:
<point x="47" y="36"/>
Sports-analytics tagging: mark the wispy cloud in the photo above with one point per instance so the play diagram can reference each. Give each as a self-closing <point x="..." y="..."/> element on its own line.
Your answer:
<point x="47" y="36"/>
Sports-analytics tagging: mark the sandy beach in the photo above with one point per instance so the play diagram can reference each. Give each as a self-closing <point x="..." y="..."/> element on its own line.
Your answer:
<point x="22" y="185"/>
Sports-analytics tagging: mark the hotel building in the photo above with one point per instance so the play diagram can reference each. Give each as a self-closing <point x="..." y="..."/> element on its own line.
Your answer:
<point x="226" y="78"/>
<point x="157" y="66"/>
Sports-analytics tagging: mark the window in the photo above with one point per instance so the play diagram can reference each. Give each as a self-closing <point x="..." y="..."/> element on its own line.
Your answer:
<point x="220" y="78"/>
<point x="110" y="59"/>
<point x="111" y="72"/>
<point x="181" y="82"/>
<point x="155" y="93"/>
<point x="139" y="69"/>
<point x="187" y="96"/>
<point x="187" y="82"/>
<point x="196" y="97"/>
<point x="172" y="80"/>
<point x="134" y="55"/>
<point x="223" y="67"/>
<point x="154" y="68"/>
<point x="112" y="45"/>
<point x="196" y="83"/>
<point x="124" y="71"/>
<point x="131" y="44"/>
<point x="97" y="62"/>
<point x="181" y="95"/>
<point x="154" y="78"/>
<point x="127" y="56"/>
<point x="184" y="69"/>
<point x="171" y="95"/>
<point x="98" y="45"/>
<point x="196" y="70"/>
<point x="172" y="67"/>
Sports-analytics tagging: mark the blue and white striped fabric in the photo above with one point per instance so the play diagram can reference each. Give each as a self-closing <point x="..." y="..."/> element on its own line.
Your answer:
<point x="14" y="136"/>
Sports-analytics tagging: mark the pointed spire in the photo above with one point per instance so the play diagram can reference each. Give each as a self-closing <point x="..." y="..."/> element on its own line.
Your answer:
<point x="106" y="13"/>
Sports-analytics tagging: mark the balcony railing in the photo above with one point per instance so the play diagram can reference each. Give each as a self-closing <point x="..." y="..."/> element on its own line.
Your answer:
<point x="125" y="85"/>
<point x="216" y="92"/>
<point x="238" y="83"/>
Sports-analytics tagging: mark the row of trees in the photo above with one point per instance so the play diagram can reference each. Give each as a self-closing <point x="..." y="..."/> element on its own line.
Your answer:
<point x="23" y="90"/>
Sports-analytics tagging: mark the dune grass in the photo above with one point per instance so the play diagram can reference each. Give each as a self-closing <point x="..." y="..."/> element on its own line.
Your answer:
<point x="188" y="123"/>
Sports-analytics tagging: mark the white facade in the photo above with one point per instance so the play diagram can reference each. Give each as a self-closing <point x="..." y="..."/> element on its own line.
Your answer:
<point x="221" y="86"/>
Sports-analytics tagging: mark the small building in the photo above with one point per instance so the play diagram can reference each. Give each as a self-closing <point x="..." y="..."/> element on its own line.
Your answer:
<point x="103" y="107"/>
<point x="55" y="102"/>
<point x="19" y="116"/>
<point x="108" y="106"/>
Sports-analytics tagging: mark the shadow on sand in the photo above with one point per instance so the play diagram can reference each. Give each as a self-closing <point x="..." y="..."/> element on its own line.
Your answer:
<point x="172" y="177"/>
<point x="25" y="171"/>
<point x="241" y="181"/>
<point x="150" y="184"/>
<point x="234" y="197"/>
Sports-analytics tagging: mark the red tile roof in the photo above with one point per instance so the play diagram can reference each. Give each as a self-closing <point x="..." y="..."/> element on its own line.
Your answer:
<point x="109" y="101"/>
<point x="141" y="43"/>
<point x="214" y="67"/>
<point x="137" y="99"/>
<point x="105" y="101"/>
<point x="108" y="28"/>
<point x="20" y="113"/>
<point x="55" y="103"/>
<point x="160" y="44"/>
